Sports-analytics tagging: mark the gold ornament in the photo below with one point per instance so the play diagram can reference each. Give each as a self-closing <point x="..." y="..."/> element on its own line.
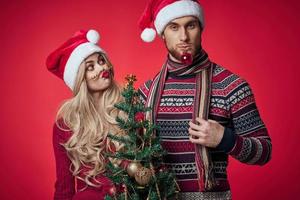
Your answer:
<point x="130" y="78"/>
<point x="133" y="167"/>
<point x="143" y="176"/>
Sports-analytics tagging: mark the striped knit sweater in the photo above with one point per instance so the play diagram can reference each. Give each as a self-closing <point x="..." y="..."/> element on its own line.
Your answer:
<point x="233" y="105"/>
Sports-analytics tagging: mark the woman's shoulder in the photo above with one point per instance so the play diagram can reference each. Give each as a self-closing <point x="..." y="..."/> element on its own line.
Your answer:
<point x="61" y="131"/>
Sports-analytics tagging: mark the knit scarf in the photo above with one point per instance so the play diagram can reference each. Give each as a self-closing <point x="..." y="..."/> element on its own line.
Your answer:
<point x="202" y="69"/>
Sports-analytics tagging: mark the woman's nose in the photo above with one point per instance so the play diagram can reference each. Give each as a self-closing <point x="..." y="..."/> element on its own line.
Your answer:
<point x="99" y="68"/>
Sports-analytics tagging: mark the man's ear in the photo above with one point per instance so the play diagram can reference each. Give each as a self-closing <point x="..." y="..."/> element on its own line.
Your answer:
<point x="163" y="36"/>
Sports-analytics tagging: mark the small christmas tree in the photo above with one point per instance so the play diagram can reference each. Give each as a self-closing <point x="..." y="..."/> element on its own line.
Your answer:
<point x="145" y="177"/>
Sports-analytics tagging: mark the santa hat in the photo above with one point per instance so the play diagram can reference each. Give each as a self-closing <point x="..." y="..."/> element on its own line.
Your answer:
<point x="161" y="12"/>
<point x="64" y="62"/>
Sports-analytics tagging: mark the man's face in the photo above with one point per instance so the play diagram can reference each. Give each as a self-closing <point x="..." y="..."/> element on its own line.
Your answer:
<point x="183" y="36"/>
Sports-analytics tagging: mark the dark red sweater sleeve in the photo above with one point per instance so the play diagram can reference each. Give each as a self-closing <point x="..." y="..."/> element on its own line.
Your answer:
<point x="65" y="181"/>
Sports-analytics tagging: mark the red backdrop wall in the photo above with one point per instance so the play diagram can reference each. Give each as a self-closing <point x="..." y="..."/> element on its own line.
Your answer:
<point x="259" y="40"/>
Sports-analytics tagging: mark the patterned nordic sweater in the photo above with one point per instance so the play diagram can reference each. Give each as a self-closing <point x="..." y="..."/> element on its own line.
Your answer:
<point x="232" y="104"/>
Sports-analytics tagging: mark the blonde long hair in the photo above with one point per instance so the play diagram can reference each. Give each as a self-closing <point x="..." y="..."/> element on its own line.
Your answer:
<point x="89" y="141"/>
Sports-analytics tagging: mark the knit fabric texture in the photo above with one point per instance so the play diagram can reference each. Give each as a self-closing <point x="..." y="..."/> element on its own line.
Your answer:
<point x="67" y="187"/>
<point x="232" y="104"/>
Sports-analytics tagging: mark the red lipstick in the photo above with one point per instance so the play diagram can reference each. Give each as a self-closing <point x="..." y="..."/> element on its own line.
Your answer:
<point x="105" y="74"/>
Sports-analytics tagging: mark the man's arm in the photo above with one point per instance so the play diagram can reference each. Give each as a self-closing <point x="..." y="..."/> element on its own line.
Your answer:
<point x="252" y="142"/>
<point x="247" y="140"/>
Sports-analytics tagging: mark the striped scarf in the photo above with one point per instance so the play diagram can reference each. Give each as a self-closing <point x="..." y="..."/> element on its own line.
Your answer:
<point x="202" y="68"/>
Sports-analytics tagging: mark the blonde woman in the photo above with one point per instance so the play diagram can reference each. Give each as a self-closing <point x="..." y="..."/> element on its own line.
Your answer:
<point x="83" y="122"/>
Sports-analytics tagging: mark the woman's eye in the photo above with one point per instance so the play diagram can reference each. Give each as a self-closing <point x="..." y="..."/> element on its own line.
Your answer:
<point x="101" y="61"/>
<point x="90" y="68"/>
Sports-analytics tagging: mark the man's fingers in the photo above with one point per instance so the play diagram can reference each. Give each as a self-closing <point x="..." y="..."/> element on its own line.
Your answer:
<point x="194" y="126"/>
<point x="202" y="127"/>
<point x="212" y="121"/>
<point x="196" y="140"/>
<point x="201" y="121"/>
<point x="198" y="134"/>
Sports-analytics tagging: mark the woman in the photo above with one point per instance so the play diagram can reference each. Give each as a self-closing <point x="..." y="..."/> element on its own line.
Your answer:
<point x="83" y="122"/>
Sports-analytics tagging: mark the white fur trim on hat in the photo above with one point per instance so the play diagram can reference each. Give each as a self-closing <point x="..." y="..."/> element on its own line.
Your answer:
<point x="176" y="10"/>
<point x="80" y="53"/>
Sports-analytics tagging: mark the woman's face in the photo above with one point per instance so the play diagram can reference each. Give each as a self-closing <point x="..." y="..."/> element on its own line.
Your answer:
<point x="97" y="73"/>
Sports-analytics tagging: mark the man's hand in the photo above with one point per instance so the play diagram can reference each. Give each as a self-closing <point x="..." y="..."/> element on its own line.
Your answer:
<point x="208" y="133"/>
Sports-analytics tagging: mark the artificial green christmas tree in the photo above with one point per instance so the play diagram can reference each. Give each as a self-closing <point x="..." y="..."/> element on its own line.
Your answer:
<point x="145" y="177"/>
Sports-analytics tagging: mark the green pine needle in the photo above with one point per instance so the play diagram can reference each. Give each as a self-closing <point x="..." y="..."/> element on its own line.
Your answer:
<point x="136" y="146"/>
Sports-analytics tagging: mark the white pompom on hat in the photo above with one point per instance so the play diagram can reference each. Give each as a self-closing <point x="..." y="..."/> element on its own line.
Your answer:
<point x="64" y="62"/>
<point x="159" y="13"/>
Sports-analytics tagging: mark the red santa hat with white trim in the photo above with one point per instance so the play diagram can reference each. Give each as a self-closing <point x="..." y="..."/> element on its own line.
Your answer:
<point x="159" y="13"/>
<point x="64" y="62"/>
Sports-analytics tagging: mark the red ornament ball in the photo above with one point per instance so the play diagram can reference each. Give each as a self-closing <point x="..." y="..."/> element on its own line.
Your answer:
<point x="112" y="191"/>
<point x="139" y="117"/>
<point x="187" y="58"/>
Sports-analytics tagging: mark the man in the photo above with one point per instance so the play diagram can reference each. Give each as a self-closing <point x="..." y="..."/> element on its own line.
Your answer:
<point x="205" y="112"/>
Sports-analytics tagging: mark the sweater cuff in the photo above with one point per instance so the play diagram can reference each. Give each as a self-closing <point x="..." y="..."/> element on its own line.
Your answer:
<point x="228" y="140"/>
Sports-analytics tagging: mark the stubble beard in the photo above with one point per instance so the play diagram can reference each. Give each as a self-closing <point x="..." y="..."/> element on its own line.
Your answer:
<point x="177" y="54"/>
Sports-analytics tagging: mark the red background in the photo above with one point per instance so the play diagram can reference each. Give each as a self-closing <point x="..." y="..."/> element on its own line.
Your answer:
<point x="259" y="40"/>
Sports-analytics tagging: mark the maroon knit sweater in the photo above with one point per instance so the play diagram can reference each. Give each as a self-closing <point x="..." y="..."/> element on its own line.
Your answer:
<point x="66" y="188"/>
